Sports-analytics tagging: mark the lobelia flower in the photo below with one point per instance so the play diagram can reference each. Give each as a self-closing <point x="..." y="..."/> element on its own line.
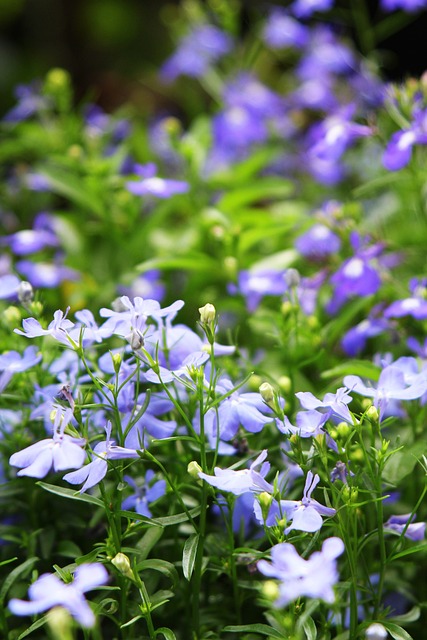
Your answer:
<point x="334" y="403"/>
<point x="144" y="494"/>
<point x="282" y="31"/>
<point x="405" y="5"/>
<point x="9" y="284"/>
<point x="59" y="452"/>
<point x="414" y="531"/>
<point x="325" y="56"/>
<point x="147" y="285"/>
<point x="305" y="8"/>
<point x="254" y="285"/>
<point x="318" y="243"/>
<point x="30" y="102"/>
<point x="30" y="240"/>
<point x="244" y="480"/>
<point x="151" y="185"/>
<point x="13" y="362"/>
<point x="96" y="470"/>
<point x="314" y="577"/>
<point x="49" y="591"/>
<point x="197" y="51"/>
<point x="306" y="514"/>
<point x="358" y="276"/>
<point x="58" y="328"/>
<point x="391" y="386"/>
<point x="308" y="424"/>
<point x="354" y="340"/>
<point x="399" y="149"/>
<point x="45" y="274"/>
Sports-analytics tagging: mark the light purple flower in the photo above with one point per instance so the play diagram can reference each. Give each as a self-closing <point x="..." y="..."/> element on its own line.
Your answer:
<point x="391" y="386"/>
<point x="334" y="403"/>
<point x="305" y="8"/>
<point x="354" y="340"/>
<point x="150" y="184"/>
<point x="308" y="424"/>
<point x="58" y="328"/>
<point x="282" y="31"/>
<point x="333" y="136"/>
<point x="92" y="473"/>
<point x="413" y="306"/>
<point x="399" y="149"/>
<point x="13" y="362"/>
<point x="254" y="285"/>
<point x="405" y="5"/>
<point x="60" y="452"/>
<point x="144" y="494"/>
<point x="414" y="531"/>
<point x="358" y="276"/>
<point x="49" y="591"/>
<point x="30" y="240"/>
<point x="30" y="102"/>
<point x="243" y="480"/>
<point x="196" y="52"/>
<point x="45" y="274"/>
<point x="306" y="514"/>
<point x="314" y="577"/>
<point x="9" y="284"/>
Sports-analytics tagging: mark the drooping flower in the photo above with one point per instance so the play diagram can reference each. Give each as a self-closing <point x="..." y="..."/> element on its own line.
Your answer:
<point x="314" y="577"/>
<point x="49" y="591"/>
<point x="59" y="452"/>
<point x="243" y="480"/>
<point x="96" y="470"/>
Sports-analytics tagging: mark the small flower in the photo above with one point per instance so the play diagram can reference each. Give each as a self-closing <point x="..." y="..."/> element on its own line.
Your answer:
<point x="96" y="470"/>
<point x="306" y="513"/>
<point x="376" y="631"/>
<point x="414" y="531"/>
<point x="12" y="362"/>
<point x="49" y="591"/>
<point x="335" y="403"/>
<point x="242" y="481"/>
<point x="60" y="452"/>
<point x="150" y="184"/>
<point x="313" y="578"/>
<point x="144" y="494"/>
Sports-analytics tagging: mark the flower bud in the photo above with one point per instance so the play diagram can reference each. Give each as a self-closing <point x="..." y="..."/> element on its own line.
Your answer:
<point x="135" y="339"/>
<point x="343" y="429"/>
<point x="60" y="623"/>
<point x="292" y="278"/>
<point x="270" y="590"/>
<point x="12" y="315"/>
<point x="194" y="469"/>
<point x="207" y="314"/>
<point x="286" y="308"/>
<point x="372" y="414"/>
<point x="122" y="564"/>
<point x="25" y="292"/>
<point x="117" y="361"/>
<point x="350" y="494"/>
<point x="267" y="392"/>
<point x="285" y="383"/>
<point x="376" y="631"/>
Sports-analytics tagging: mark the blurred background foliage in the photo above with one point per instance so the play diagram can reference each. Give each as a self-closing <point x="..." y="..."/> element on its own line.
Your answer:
<point x="112" y="48"/>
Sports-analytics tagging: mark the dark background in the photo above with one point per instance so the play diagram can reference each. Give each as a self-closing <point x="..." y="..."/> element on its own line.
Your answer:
<point x="113" y="48"/>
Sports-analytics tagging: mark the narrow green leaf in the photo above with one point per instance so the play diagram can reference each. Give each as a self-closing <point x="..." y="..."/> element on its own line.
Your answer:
<point x="71" y="494"/>
<point x="167" y="521"/>
<point x="36" y="625"/>
<point x="262" y="629"/>
<point x="270" y="188"/>
<point x="14" y="575"/>
<point x="149" y="540"/>
<point x="362" y="368"/>
<point x="162" y="566"/>
<point x="167" y="633"/>
<point x="189" y="555"/>
<point x="131" y="622"/>
<point x="310" y="629"/>
<point x="189" y="262"/>
<point x="409" y="551"/>
<point x="72" y="187"/>
<point x="8" y="561"/>
<point x="396" y="632"/>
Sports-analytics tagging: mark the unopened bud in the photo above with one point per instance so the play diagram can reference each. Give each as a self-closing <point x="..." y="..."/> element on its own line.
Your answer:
<point x="270" y="590"/>
<point x="267" y="392"/>
<point x="194" y="469"/>
<point x="122" y="564"/>
<point x="292" y="278"/>
<point x="207" y="314"/>
<point x="25" y="292"/>
<point x="343" y="429"/>
<point x="12" y="315"/>
<point x="285" y="383"/>
<point x="117" y="361"/>
<point x="372" y="414"/>
<point x="376" y="631"/>
<point x="135" y="339"/>
<point x="350" y="494"/>
<point x="60" y="623"/>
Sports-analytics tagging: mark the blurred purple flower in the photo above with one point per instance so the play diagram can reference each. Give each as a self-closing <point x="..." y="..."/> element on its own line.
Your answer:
<point x="305" y="8"/>
<point x="282" y="31"/>
<point x="46" y="275"/>
<point x="254" y="285"/>
<point x="146" y="285"/>
<point x="318" y="242"/>
<point x="9" y="284"/>
<point x="144" y="494"/>
<point x="405" y="5"/>
<point x="30" y="102"/>
<point x="354" y="340"/>
<point x="314" y="577"/>
<point x="151" y="185"/>
<point x="49" y="591"/>
<point x="12" y="362"/>
<point x="196" y="52"/>
<point x="60" y="452"/>
<point x="356" y="277"/>
<point x="414" y="531"/>
<point x="30" y="241"/>
<point x="399" y="149"/>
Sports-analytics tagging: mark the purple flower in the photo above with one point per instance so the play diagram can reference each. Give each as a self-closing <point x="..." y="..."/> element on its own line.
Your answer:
<point x="334" y="403"/>
<point x="254" y="285"/>
<point x="314" y="577"/>
<point x="325" y="55"/>
<point x="306" y="514"/>
<point x="399" y="150"/>
<point x="196" y="52"/>
<point x="392" y="385"/>
<point x="356" y="277"/>
<point x="309" y="424"/>
<point x="30" y="102"/>
<point x="415" y="307"/>
<point x="30" y="241"/>
<point x="9" y="284"/>
<point x="244" y="480"/>
<point x="318" y="242"/>
<point x="147" y="285"/>
<point x="354" y="340"/>
<point x="414" y="531"/>
<point x="332" y="136"/>
<point x="96" y="470"/>
<point x="340" y="472"/>
<point x="46" y="274"/>
<point x="49" y="591"/>
<point x="282" y="31"/>
<point x="405" y="5"/>
<point x="60" y="452"/>
<point x="144" y="494"/>
<point x="58" y="328"/>
<point x="305" y="8"/>
<point x="12" y="362"/>
<point x="151" y="185"/>
<point x="132" y="316"/>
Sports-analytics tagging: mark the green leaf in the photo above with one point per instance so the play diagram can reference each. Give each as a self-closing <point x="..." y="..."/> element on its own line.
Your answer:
<point x="362" y="368"/>
<point x="269" y="188"/>
<point x="167" y="521"/>
<point x="262" y="629"/>
<point x="408" y="552"/>
<point x="37" y="624"/>
<point x="280" y="260"/>
<point x="396" y="631"/>
<point x="310" y="629"/>
<point x="189" y="262"/>
<point x="402" y="463"/>
<point x="411" y="616"/>
<point x="8" y="561"/>
<point x="149" y="540"/>
<point x="167" y="633"/>
<point x="74" y="188"/>
<point x="14" y="575"/>
<point x="71" y="494"/>
<point x="189" y="555"/>
<point x="162" y="566"/>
